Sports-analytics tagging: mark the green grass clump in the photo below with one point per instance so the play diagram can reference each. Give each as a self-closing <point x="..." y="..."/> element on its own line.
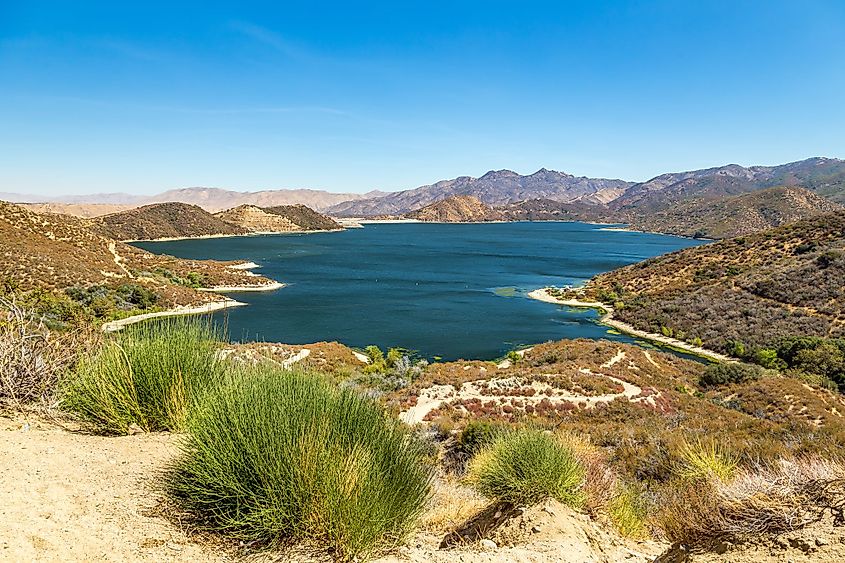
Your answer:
<point x="700" y="460"/>
<point x="527" y="466"/>
<point x="628" y="512"/>
<point x="147" y="375"/>
<point x="278" y="457"/>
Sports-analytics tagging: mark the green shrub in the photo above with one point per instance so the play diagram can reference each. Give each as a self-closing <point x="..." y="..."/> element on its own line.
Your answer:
<point x="275" y="457"/>
<point x="478" y="434"/>
<point x="525" y="467"/>
<point x="628" y="511"/>
<point x="147" y="375"/>
<point x="700" y="460"/>
<point x="729" y="372"/>
<point x="768" y="358"/>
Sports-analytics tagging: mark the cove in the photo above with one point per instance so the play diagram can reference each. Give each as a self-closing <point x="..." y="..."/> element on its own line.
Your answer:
<point x="445" y="290"/>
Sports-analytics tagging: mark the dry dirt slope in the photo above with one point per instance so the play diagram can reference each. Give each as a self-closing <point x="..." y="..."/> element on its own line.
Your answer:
<point x="68" y="496"/>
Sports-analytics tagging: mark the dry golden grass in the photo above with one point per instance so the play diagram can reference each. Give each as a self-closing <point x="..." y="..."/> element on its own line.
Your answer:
<point x="451" y="504"/>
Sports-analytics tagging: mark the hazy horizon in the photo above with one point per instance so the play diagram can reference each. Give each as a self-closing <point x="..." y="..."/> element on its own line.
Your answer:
<point x="240" y="190"/>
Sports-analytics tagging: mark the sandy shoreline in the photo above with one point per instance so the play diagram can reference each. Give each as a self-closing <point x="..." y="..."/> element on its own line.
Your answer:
<point x="242" y="288"/>
<point x="252" y="234"/>
<point x="113" y="326"/>
<point x="608" y="320"/>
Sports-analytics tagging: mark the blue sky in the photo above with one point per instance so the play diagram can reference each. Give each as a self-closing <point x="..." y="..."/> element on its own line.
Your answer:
<point x="147" y="96"/>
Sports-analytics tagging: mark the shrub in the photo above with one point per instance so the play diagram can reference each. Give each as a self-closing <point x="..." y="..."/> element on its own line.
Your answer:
<point x="276" y="456"/>
<point x="478" y="434"/>
<point x="627" y="511"/>
<point x="704" y="461"/>
<point x="729" y="372"/>
<point x="148" y="375"/>
<point x="759" y="501"/>
<point x="32" y="358"/>
<point x="525" y="467"/>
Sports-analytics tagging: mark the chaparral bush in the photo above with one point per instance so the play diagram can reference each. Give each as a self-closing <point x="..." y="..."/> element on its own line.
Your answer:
<point x="277" y="457"/>
<point x="527" y="466"/>
<point x="147" y="375"/>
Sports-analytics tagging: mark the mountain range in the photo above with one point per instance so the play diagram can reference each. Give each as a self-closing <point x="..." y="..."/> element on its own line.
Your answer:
<point x="552" y="194"/>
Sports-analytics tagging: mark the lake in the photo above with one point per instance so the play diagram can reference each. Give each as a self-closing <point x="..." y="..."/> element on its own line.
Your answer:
<point x="445" y="290"/>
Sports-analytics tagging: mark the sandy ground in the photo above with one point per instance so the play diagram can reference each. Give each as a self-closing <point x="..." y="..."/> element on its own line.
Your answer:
<point x="66" y="496"/>
<point x="72" y="497"/>
<point x="177" y="311"/>
<point x="243" y="288"/>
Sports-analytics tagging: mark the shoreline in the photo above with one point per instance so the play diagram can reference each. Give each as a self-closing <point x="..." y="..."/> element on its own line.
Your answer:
<point x="114" y="326"/>
<point x="242" y="288"/>
<point x="225" y="235"/>
<point x="608" y="320"/>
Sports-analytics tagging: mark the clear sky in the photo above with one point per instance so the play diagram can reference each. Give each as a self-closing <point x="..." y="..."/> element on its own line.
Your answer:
<point x="144" y="96"/>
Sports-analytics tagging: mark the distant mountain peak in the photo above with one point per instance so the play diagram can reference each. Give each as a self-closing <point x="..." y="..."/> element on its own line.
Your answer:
<point x="496" y="174"/>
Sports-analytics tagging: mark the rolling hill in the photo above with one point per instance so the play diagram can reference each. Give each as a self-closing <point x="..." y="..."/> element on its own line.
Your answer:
<point x="550" y="210"/>
<point x="57" y="252"/>
<point x="734" y="216"/>
<point x="305" y="217"/>
<point x="457" y="209"/>
<point x="739" y="295"/>
<point x="824" y="176"/>
<point x="210" y="199"/>
<point x="216" y="199"/>
<point x="164" y="220"/>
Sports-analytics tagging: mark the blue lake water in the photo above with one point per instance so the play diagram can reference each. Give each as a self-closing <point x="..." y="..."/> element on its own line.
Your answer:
<point x="445" y="290"/>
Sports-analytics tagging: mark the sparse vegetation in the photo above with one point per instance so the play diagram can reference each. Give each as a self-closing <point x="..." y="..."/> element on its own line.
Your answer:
<point x="758" y="501"/>
<point x="275" y="457"/>
<point x="32" y="357"/>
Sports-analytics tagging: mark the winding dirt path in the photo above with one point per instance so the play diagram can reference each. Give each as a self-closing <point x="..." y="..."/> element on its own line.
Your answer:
<point x="437" y="395"/>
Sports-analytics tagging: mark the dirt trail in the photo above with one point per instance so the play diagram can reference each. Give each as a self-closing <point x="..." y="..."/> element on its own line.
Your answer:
<point x="485" y="390"/>
<point x="119" y="260"/>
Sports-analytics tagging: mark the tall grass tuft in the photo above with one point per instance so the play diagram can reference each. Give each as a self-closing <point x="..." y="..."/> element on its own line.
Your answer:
<point x="148" y="376"/>
<point x="278" y="457"/>
<point x="628" y="512"/>
<point x="700" y="460"/>
<point x="526" y="467"/>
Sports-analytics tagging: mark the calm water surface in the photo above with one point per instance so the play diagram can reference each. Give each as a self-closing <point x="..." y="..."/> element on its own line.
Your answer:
<point x="453" y="291"/>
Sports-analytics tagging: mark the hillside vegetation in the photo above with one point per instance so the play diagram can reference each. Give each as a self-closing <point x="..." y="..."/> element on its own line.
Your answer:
<point x="744" y="296"/>
<point x="164" y="220"/>
<point x="70" y="265"/>
<point x="457" y="209"/>
<point x="280" y="219"/>
<point x="306" y="218"/>
<point x="734" y="216"/>
<point x="825" y="176"/>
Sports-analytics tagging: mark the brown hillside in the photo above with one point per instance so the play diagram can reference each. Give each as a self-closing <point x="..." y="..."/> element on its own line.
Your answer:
<point x="734" y="216"/>
<point x="550" y="210"/>
<point x="164" y="220"/>
<point x="457" y="209"/>
<point x="87" y="210"/>
<point x="305" y="217"/>
<point x="756" y="289"/>
<point x="257" y="220"/>
<point x="55" y="252"/>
